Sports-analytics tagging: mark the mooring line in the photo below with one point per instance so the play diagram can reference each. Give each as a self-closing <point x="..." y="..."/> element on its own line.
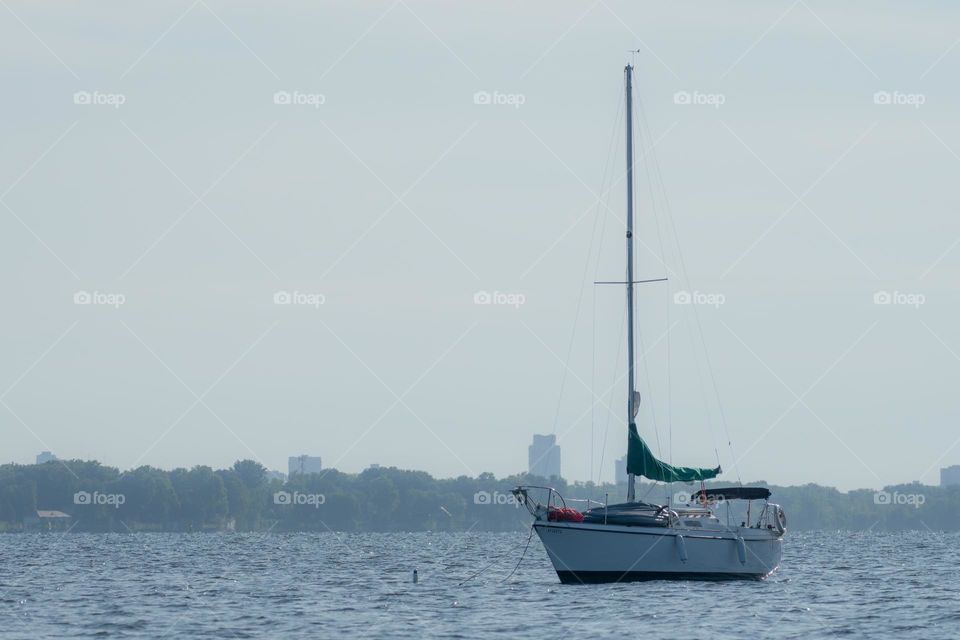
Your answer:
<point x="497" y="559"/>
<point x="527" y="546"/>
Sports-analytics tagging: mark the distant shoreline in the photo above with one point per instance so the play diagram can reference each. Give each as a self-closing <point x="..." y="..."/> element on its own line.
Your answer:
<point x="85" y="496"/>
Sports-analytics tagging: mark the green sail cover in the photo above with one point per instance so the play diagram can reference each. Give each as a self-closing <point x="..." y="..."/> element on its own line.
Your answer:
<point x="640" y="462"/>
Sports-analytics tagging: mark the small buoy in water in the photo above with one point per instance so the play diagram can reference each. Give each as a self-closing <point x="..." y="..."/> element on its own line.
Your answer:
<point x="415" y="576"/>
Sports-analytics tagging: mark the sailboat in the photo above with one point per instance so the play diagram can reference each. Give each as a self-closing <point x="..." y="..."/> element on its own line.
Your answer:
<point x="637" y="540"/>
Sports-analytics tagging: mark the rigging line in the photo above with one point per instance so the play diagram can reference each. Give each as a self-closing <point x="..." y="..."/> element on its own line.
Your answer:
<point x="684" y="276"/>
<point x="653" y="406"/>
<point x="635" y="320"/>
<point x="653" y="485"/>
<point x="611" y="152"/>
<point x="573" y="330"/>
<point x="606" y="428"/>
<point x="529" y="538"/>
<point x="648" y="135"/>
<point x="683" y="269"/>
<point x="576" y="315"/>
<point x="646" y="368"/>
<point x="669" y="386"/>
<point x="644" y="127"/>
<point x="703" y="342"/>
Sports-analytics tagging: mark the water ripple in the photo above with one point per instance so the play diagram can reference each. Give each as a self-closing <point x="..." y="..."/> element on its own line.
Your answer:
<point x="309" y="585"/>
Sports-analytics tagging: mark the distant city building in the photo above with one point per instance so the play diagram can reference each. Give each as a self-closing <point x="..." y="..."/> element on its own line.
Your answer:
<point x="44" y="457"/>
<point x="620" y="473"/>
<point x="303" y="464"/>
<point x="950" y="476"/>
<point x="276" y="475"/>
<point x="543" y="457"/>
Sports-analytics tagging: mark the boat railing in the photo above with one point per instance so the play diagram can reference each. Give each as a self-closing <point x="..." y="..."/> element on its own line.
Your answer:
<point x="553" y="499"/>
<point x="772" y="517"/>
<point x="590" y="502"/>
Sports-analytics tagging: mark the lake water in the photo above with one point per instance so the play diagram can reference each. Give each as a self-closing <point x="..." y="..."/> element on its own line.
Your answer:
<point x="904" y="585"/>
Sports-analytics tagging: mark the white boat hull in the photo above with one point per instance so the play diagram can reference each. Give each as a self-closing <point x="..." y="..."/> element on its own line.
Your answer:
<point x="585" y="553"/>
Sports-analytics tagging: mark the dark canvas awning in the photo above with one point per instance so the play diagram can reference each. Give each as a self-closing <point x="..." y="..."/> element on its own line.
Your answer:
<point x="732" y="493"/>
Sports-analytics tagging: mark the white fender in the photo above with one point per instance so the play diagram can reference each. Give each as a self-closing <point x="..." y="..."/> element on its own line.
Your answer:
<point x="741" y="550"/>
<point x="681" y="548"/>
<point x="779" y="519"/>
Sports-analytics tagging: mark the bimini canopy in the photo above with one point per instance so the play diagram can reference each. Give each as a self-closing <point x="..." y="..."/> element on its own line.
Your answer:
<point x="641" y="462"/>
<point x="732" y="493"/>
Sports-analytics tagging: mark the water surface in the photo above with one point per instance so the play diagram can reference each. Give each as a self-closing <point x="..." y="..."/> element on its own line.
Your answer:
<point x="904" y="585"/>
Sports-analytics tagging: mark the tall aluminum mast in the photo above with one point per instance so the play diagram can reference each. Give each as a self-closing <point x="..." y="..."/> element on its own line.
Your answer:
<point x="631" y="394"/>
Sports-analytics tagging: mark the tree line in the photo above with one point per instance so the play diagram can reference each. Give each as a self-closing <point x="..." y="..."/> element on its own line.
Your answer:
<point x="244" y="498"/>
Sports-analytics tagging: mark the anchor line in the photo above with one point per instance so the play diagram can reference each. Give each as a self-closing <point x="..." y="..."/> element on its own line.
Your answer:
<point x="497" y="559"/>
<point x="527" y="546"/>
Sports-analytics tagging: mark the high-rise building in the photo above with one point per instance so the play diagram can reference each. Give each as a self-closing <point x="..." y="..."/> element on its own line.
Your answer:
<point x="303" y="464"/>
<point x="620" y="471"/>
<point x="950" y="476"/>
<point x="543" y="457"/>
<point x="45" y="456"/>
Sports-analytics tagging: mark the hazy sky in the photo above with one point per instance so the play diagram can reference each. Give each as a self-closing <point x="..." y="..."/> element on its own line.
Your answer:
<point x="180" y="194"/>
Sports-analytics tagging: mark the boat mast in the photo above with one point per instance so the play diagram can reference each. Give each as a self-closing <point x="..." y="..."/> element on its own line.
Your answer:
<point x="631" y="394"/>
